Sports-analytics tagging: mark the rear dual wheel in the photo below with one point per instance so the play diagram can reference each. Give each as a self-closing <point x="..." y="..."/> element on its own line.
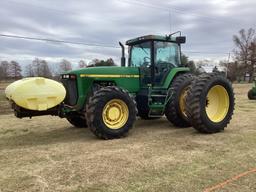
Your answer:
<point x="175" y="110"/>
<point x="210" y="103"/>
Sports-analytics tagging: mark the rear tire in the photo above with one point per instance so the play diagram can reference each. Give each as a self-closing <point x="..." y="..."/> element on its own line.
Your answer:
<point x="251" y="96"/>
<point x="110" y="113"/>
<point x="175" y="110"/>
<point x="210" y="103"/>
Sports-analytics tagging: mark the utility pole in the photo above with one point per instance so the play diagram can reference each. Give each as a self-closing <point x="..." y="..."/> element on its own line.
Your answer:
<point x="227" y="64"/>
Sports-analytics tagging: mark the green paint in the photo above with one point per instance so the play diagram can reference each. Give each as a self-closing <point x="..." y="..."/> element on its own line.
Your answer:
<point x="129" y="78"/>
<point x="84" y="84"/>
<point x="172" y="74"/>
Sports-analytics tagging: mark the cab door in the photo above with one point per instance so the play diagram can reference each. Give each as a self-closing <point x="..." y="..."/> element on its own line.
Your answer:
<point x="141" y="57"/>
<point x="166" y="57"/>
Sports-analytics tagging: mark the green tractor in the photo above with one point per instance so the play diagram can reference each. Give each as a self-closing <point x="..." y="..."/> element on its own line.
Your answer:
<point x="151" y="85"/>
<point x="252" y="92"/>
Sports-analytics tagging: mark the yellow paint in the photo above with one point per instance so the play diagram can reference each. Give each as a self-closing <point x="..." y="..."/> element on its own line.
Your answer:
<point x="115" y="114"/>
<point x="36" y="93"/>
<point x="109" y="76"/>
<point x="182" y="101"/>
<point x="217" y="105"/>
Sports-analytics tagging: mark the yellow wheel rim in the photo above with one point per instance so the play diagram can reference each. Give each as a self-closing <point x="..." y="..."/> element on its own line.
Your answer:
<point x="182" y="101"/>
<point x="217" y="103"/>
<point x="115" y="114"/>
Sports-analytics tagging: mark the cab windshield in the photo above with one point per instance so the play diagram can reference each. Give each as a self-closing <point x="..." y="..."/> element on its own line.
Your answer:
<point x="141" y="54"/>
<point x="164" y="52"/>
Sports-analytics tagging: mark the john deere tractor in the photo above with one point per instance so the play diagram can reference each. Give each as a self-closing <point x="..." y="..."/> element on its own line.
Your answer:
<point x="151" y="85"/>
<point x="252" y="92"/>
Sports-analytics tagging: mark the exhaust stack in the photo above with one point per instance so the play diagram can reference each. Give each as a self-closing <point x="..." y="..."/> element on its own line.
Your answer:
<point x="123" y="56"/>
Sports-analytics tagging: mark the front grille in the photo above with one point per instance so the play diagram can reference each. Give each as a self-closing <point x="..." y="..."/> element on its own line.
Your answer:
<point x="71" y="89"/>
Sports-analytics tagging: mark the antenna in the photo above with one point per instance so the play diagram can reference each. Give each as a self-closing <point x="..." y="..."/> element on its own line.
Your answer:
<point x="175" y="33"/>
<point x="170" y="20"/>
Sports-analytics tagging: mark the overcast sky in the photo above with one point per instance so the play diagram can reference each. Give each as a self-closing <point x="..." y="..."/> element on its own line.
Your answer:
<point x="208" y="25"/>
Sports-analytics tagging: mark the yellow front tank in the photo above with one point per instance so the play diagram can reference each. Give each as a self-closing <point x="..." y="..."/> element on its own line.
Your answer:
<point x="36" y="93"/>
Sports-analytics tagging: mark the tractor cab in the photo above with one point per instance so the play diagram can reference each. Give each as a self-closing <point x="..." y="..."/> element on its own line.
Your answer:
<point x="158" y="59"/>
<point x="155" y="56"/>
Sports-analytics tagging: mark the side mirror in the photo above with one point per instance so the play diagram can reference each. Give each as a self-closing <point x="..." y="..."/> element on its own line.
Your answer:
<point x="181" y="39"/>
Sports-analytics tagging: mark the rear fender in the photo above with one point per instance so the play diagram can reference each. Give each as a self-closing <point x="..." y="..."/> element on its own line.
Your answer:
<point x="172" y="74"/>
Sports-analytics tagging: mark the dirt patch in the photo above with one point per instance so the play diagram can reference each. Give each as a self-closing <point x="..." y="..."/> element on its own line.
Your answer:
<point x="48" y="154"/>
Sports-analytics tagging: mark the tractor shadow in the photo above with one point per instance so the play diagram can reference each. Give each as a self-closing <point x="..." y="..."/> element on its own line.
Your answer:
<point x="47" y="137"/>
<point x="68" y="134"/>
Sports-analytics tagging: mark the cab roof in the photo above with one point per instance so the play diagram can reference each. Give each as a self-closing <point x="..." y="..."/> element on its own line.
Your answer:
<point x="141" y="39"/>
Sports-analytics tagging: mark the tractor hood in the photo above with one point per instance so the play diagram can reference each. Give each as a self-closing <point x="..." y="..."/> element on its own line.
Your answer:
<point x="127" y="78"/>
<point x="107" y="72"/>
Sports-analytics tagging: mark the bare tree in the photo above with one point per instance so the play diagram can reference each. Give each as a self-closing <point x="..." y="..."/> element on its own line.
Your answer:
<point x="45" y="70"/>
<point x="36" y="67"/>
<point x="29" y="72"/>
<point x="232" y="70"/>
<point x="14" y="70"/>
<point x="82" y="64"/>
<point x="1" y="73"/>
<point x="243" y="42"/>
<point x="40" y="68"/>
<point x="252" y="55"/>
<point x="4" y="69"/>
<point x="65" y="65"/>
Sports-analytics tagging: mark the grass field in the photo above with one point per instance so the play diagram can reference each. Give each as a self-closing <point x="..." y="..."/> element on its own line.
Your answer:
<point x="4" y="104"/>
<point x="48" y="154"/>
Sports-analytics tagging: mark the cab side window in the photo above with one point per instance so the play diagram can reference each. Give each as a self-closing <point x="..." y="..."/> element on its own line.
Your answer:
<point x="166" y="58"/>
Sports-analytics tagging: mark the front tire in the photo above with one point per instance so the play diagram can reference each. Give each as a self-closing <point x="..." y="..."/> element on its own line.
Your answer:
<point x="251" y="96"/>
<point x="111" y="113"/>
<point x="210" y="103"/>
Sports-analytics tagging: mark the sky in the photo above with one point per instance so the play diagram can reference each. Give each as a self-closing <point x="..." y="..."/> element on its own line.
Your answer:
<point x="208" y="25"/>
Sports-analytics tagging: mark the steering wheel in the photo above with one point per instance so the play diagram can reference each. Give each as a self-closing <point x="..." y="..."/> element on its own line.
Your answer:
<point x="163" y="67"/>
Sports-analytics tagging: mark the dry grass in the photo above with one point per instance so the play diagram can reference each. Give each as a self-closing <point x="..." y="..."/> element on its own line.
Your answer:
<point x="4" y="104"/>
<point x="4" y="84"/>
<point x="47" y="154"/>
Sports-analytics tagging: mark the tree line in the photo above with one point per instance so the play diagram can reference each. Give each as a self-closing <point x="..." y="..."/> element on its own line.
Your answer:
<point x="10" y="70"/>
<point x="243" y="66"/>
<point x="40" y="68"/>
